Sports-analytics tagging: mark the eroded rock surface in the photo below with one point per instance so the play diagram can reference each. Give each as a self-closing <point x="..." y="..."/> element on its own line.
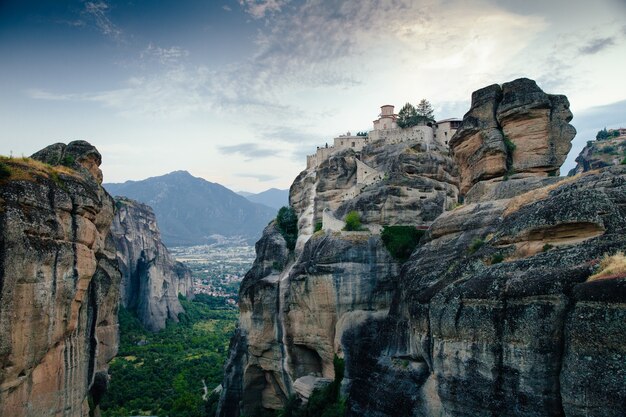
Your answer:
<point x="492" y="310"/>
<point x="151" y="278"/>
<point x="514" y="130"/>
<point x="296" y="306"/>
<point x="59" y="283"/>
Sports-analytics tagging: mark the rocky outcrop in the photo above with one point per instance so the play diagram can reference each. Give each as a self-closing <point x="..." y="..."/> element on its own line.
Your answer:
<point x="493" y="307"/>
<point x="600" y="154"/>
<point x="151" y="277"/>
<point x="493" y="314"/>
<point x="514" y="131"/>
<point x="296" y="306"/>
<point x="59" y="283"/>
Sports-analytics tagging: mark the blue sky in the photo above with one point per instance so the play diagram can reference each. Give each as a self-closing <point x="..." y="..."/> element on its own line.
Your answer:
<point x="238" y="92"/>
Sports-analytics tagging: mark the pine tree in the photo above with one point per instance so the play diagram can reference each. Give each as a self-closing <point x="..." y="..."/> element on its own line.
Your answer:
<point x="425" y="109"/>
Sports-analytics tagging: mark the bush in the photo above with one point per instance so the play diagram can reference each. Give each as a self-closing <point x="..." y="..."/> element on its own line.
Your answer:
<point x="547" y="247"/>
<point x="287" y="223"/>
<point x="353" y="221"/>
<point x="400" y="241"/>
<point x="497" y="258"/>
<point x="68" y="161"/>
<point x="318" y="226"/>
<point x="475" y="245"/>
<point x="609" y="149"/>
<point x="5" y="171"/>
<point x="624" y="161"/>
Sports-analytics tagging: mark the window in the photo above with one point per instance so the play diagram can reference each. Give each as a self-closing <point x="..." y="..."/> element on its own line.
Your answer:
<point x="353" y="144"/>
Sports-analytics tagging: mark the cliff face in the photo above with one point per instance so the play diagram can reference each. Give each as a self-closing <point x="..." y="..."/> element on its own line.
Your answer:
<point x="599" y="154"/>
<point x="494" y="313"/>
<point x="59" y="283"/>
<point x="514" y="131"/>
<point x="297" y="307"/>
<point x="151" y="278"/>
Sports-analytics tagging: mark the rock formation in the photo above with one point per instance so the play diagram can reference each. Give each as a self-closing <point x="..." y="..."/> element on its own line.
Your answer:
<point x="514" y="131"/>
<point x="151" y="278"/>
<point x="494" y="313"/>
<point x="59" y="283"/>
<point x="295" y="307"/>
<point x="600" y="153"/>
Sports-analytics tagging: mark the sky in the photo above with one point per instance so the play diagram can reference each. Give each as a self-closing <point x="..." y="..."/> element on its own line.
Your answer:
<point x="240" y="91"/>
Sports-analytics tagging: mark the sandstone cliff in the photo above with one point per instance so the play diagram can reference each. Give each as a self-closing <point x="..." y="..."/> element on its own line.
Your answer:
<point x="494" y="313"/>
<point x="59" y="283"/>
<point x="151" y="278"/>
<point x="297" y="306"/>
<point x="599" y="154"/>
<point x="512" y="131"/>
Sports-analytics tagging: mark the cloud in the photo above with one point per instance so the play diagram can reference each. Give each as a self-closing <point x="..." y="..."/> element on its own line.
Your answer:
<point x="98" y="11"/>
<point x="227" y="8"/>
<point x="165" y="56"/>
<point x="596" y="45"/>
<point x="260" y="8"/>
<point x="249" y="150"/>
<point x="260" y="177"/>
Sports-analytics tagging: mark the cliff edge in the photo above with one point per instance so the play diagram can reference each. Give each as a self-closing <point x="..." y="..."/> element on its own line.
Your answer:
<point x="59" y="283"/>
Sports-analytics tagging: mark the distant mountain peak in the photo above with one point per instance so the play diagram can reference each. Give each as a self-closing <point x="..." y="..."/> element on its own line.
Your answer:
<point x="190" y="209"/>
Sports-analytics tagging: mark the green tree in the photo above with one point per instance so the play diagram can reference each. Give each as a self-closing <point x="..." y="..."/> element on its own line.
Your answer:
<point x="425" y="109"/>
<point x="602" y="134"/>
<point x="353" y="221"/>
<point x="287" y="222"/>
<point x="407" y="116"/>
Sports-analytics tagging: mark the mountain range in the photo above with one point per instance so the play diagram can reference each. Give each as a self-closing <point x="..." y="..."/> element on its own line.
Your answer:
<point x="272" y="198"/>
<point x="194" y="211"/>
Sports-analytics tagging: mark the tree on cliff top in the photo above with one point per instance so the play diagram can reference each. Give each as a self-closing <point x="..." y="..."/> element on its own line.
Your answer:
<point x="406" y="116"/>
<point x="425" y="109"/>
<point x="410" y="116"/>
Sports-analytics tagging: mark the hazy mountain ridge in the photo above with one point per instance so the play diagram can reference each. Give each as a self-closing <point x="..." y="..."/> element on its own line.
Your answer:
<point x="190" y="210"/>
<point x="273" y="197"/>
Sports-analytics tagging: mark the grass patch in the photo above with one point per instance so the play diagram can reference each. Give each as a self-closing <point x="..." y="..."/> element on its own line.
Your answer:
<point x="400" y="241"/>
<point x="611" y="266"/>
<point x="27" y="169"/>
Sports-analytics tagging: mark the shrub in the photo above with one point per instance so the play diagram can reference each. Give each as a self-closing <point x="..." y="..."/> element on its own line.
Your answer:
<point x="318" y="226"/>
<point x="624" y="161"/>
<point x="400" y="241"/>
<point x="353" y="221"/>
<point x="287" y="223"/>
<point x="497" y="258"/>
<point x="547" y="247"/>
<point x="277" y="266"/>
<point x="68" y="161"/>
<point x="5" y="171"/>
<point x="475" y="245"/>
<point x="608" y="149"/>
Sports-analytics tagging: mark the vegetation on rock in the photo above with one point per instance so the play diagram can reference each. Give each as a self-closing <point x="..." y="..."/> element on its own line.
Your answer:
<point x="410" y="115"/>
<point x="611" y="266"/>
<point x="353" y="222"/>
<point x="287" y="223"/>
<point x="400" y="241"/>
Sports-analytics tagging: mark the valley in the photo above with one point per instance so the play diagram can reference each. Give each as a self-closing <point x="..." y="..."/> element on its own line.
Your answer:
<point x="175" y="371"/>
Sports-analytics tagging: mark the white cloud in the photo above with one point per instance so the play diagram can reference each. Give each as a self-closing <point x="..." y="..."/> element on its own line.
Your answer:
<point x="260" y="8"/>
<point x="98" y="11"/>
